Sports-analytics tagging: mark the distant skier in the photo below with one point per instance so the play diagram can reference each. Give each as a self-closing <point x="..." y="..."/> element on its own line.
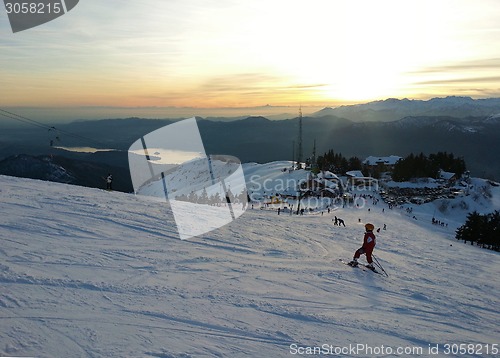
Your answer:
<point x="367" y="248"/>
<point x="109" y="182"/>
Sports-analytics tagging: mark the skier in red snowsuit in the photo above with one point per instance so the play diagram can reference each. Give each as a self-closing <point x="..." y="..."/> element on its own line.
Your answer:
<point x="367" y="248"/>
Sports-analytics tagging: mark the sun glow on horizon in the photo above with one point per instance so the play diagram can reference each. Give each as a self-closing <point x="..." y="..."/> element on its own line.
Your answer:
<point x="244" y="54"/>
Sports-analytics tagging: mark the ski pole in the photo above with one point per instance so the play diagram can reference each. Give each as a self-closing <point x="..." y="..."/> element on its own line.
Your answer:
<point x="377" y="262"/>
<point x="379" y="265"/>
<point x="382" y="268"/>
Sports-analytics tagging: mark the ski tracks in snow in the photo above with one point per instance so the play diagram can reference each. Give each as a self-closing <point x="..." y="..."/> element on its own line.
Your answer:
<point x="90" y="273"/>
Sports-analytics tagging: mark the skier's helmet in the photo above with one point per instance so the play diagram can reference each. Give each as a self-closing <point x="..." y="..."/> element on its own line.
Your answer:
<point x="369" y="227"/>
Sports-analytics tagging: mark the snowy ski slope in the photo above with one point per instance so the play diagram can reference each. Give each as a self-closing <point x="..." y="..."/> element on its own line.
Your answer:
<point x="90" y="273"/>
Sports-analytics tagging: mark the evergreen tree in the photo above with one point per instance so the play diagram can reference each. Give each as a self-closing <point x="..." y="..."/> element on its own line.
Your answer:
<point x="421" y="166"/>
<point x="354" y="163"/>
<point x="482" y="229"/>
<point x="193" y="198"/>
<point x="182" y="197"/>
<point x="336" y="162"/>
<point x="491" y="236"/>
<point x="217" y="198"/>
<point x="203" y="199"/>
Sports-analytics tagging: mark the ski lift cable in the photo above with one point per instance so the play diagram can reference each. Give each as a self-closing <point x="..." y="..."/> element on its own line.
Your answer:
<point x="14" y="116"/>
<point x="27" y="120"/>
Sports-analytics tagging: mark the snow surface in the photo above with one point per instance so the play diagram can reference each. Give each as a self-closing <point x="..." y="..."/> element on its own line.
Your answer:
<point x="90" y="273"/>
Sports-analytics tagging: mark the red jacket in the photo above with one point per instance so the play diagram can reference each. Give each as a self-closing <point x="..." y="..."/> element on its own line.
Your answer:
<point x="369" y="241"/>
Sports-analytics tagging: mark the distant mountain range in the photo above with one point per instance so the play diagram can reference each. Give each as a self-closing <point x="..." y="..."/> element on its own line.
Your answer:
<point x="460" y="125"/>
<point x="393" y="109"/>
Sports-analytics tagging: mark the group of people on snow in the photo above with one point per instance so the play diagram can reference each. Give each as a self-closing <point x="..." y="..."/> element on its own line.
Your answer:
<point x="338" y="221"/>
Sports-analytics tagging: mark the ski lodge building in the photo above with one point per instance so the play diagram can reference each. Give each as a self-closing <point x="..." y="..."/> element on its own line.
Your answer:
<point x="383" y="162"/>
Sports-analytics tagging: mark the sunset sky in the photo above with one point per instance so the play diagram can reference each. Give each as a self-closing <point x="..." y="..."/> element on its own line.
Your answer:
<point x="238" y="53"/>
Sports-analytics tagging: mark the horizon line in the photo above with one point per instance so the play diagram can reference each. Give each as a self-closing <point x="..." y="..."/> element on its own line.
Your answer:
<point x="346" y="103"/>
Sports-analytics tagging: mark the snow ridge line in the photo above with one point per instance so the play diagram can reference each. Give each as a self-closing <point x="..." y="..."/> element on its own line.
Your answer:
<point x="223" y="331"/>
<point x="75" y="284"/>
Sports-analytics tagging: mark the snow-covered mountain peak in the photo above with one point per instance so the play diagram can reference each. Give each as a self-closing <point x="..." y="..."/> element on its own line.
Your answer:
<point x="393" y="109"/>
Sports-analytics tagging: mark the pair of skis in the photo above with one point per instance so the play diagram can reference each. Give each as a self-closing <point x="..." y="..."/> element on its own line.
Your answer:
<point x="366" y="267"/>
